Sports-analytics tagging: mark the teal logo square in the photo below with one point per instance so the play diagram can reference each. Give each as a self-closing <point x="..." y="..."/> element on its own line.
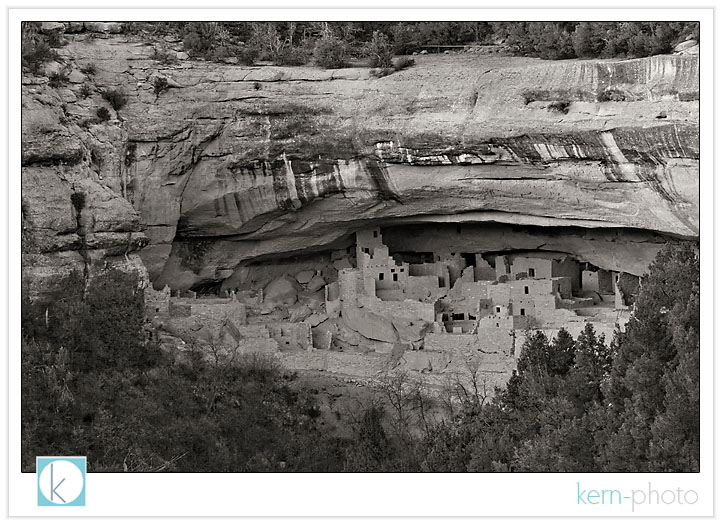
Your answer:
<point x="61" y="480"/>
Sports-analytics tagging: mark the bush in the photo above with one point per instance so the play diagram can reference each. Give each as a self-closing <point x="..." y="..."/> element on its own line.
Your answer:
<point x="290" y="56"/>
<point x="403" y="63"/>
<point x="58" y="78"/>
<point x="561" y="106"/>
<point x="160" y="84"/>
<point x="78" y="201"/>
<point x="116" y="98"/>
<point x="35" y="53"/>
<point x="330" y="53"/>
<point x="379" y="51"/>
<point x="163" y="56"/>
<point x="88" y="69"/>
<point x="247" y="55"/>
<point x="256" y="86"/>
<point x="201" y="37"/>
<point x="85" y="91"/>
<point x="55" y="39"/>
<point x="612" y="95"/>
<point x="103" y="114"/>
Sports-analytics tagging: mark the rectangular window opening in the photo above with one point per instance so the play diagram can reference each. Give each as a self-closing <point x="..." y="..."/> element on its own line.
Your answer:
<point x="522" y="311"/>
<point x="526" y="290"/>
<point x="532" y="272"/>
<point x="381" y="277"/>
<point x="396" y="277"/>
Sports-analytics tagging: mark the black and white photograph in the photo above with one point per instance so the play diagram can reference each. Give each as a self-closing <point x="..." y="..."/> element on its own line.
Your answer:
<point x="441" y="246"/>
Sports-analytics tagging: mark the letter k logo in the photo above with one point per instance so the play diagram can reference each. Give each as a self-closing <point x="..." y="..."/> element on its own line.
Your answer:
<point x="54" y="488"/>
<point x="61" y="481"/>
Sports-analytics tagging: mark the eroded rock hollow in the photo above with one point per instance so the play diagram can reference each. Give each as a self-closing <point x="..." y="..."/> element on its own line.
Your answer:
<point x="234" y="168"/>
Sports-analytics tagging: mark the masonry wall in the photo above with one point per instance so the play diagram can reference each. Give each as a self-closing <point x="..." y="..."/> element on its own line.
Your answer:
<point x="590" y="281"/>
<point x="349" y="282"/>
<point x="213" y="313"/>
<point x="502" y="265"/>
<point x="542" y="267"/>
<point x="497" y="335"/>
<point x="367" y="241"/>
<point x="157" y="302"/>
<point x="500" y="294"/>
<point x="256" y="338"/>
<point x="568" y="267"/>
<point x="332" y="296"/>
<point x="419" y="288"/>
<point x="291" y="336"/>
<point x="483" y="271"/>
<point x="464" y="343"/>
<point x="606" y="282"/>
<point x="437" y="269"/>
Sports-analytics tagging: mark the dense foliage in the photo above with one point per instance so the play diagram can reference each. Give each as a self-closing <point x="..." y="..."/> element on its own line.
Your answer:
<point x="94" y="383"/>
<point x="378" y="41"/>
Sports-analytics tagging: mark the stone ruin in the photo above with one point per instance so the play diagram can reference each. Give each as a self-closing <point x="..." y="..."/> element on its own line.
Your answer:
<point x="430" y="315"/>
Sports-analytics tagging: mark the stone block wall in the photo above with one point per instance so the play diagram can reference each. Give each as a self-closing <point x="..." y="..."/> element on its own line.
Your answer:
<point x="157" y="302"/>
<point x="542" y="267"/>
<point x="291" y="336"/>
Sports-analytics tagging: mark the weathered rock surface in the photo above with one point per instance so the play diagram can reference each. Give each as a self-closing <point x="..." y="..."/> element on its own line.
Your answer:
<point x="281" y="291"/>
<point x="246" y="164"/>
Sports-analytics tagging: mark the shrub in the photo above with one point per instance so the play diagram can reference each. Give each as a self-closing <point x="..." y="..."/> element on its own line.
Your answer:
<point x="612" y="95"/>
<point x="78" y="201"/>
<point x="290" y="56"/>
<point x="163" y="56"/>
<point x="247" y="55"/>
<point x="116" y="98"/>
<point x="160" y="84"/>
<point x="330" y="53"/>
<point x="85" y="91"/>
<point x="55" y="39"/>
<point x="103" y="114"/>
<point x="201" y="37"/>
<point x="58" y="78"/>
<point x="35" y="53"/>
<point x="257" y="86"/>
<point x="561" y="106"/>
<point x="379" y="51"/>
<point x="688" y="96"/>
<point x="403" y="63"/>
<point x="88" y="69"/>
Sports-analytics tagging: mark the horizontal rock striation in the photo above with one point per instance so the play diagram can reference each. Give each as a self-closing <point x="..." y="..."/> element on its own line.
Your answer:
<point x="235" y="165"/>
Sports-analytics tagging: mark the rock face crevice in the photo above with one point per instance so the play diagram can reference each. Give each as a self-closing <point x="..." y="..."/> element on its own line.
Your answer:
<point x="235" y="165"/>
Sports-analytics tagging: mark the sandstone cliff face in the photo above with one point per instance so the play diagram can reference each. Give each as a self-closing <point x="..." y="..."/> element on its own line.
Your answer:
<point x="241" y="164"/>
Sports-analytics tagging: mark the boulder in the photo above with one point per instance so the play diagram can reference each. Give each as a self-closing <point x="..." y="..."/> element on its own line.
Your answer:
<point x="299" y="313"/>
<point x="316" y="319"/>
<point x="76" y="77"/>
<point x="316" y="284"/>
<point x="685" y="45"/>
<point x="52" y="27"/>
<point x="182" y="55"/>
<point x="104" y="27"/>
<point x="342" y="263"/>
<point x="410" y="330"/>
<point x="281" y="291"/>
<point x="74" y="27"/>
<point x="305" y="276"/>
<point x="370" y="325"/>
